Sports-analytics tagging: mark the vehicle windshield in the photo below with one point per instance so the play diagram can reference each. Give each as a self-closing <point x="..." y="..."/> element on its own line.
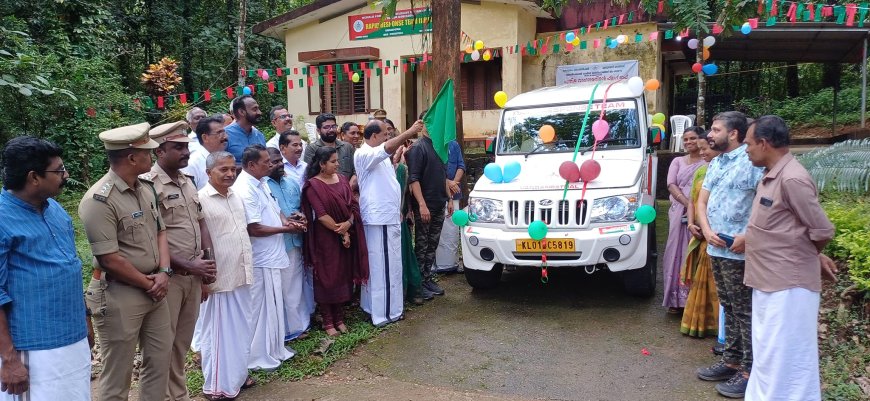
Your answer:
<point x="519" y="134"/>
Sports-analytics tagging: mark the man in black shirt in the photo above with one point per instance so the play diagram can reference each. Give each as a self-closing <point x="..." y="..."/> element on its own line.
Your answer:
<point x="427" y="179"/>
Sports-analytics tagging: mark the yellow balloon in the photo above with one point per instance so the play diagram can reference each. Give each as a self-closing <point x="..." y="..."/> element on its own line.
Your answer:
<point x="478" y="45"/>
<point x="652" y="84"/>
<point x="355" y="77"/>
<point x="547" y="133"/>
<point x="659" y="118"/>
<point x="487" y="55"/>
<point x="576" y="41"/>
<point x="500" y="98"/>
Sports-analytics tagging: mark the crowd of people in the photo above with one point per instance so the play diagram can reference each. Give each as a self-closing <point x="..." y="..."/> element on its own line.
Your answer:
<point x="206" y="237"/>
<point x="239" y="246"/>
<point x="746" y="231"/>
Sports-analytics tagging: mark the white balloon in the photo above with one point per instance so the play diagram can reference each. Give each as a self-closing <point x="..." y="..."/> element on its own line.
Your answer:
<point x="475" y="55"/>
<point x="709" y="41"/>
<point x="621" y="39"/>
<point x="693" y="43"/>
<point x="635" y="85"/>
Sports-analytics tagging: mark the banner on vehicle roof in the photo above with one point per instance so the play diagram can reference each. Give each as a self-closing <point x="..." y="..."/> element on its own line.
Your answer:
<point x="594" y="72"/>
<point x="404" y="22"/>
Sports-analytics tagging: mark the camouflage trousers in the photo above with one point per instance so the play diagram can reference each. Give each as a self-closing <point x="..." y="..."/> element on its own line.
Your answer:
<point x="736" y="299"/>
<point x="426" y="237"/>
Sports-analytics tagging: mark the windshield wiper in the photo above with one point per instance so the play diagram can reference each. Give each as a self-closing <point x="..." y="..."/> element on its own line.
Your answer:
<point x="588" y="148"/>
<point x="541" y="146"/>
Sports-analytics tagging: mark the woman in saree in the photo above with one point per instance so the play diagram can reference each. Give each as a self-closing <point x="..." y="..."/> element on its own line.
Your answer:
<point x="701" y="316"/>
<point x="680" y="174"/>
<point x="335" y="245"/>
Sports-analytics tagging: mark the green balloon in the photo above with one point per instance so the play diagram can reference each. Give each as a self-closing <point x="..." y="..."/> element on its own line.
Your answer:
<point x="645" y="214"/>
<point x="537" y="230"/>
<point x="460" y="218"/>
<point x="658" y="118"/>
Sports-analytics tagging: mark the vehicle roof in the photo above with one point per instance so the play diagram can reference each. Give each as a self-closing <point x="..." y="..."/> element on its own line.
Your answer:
<point x="568" y="93"/>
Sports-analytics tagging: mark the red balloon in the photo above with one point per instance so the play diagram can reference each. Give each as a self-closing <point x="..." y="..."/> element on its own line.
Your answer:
<point x="589" y="170"/>
<point x="569" y="171"/>
<point x="696" y="68"/>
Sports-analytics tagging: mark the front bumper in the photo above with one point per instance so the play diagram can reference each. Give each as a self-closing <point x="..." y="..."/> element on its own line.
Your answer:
<point x="629" y="239"/>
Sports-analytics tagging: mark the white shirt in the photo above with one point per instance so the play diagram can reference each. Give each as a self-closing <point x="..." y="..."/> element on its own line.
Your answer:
<point x="380" y="196"/>
<point x="193" y="146"/>
<point x="273" y="143"/>
<point x="296" y="172"/>
<point x="225" y="218"/>
<point x="261" y="208"/>
<point x="196" y="167"/>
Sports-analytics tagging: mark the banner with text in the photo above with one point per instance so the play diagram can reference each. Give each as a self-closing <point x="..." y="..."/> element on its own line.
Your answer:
<point x="594" y="72"/>
<point x="405" y="22"/>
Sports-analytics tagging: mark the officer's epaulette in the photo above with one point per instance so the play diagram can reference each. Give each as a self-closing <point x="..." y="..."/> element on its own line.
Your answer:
<point x="149" y="176"/>
<point x="103" y="193"/>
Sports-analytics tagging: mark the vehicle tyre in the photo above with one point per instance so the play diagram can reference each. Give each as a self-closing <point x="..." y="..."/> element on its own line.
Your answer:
<point x="642" y="282"/>
<point x="483" y="280"/>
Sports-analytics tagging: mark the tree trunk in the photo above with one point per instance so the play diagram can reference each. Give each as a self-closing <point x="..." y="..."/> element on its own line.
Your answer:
<point x="186" y="50"/>
<point x="243" y="16"/>
<point x="702" y="88"/>
<point x="831" y="75"/>
<point x="231" y="31"/>
<point x="445" y="53"/>
<point x="792" y="82"/>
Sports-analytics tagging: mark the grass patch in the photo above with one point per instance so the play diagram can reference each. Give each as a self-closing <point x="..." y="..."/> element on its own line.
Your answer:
<point x="843" y="341"/>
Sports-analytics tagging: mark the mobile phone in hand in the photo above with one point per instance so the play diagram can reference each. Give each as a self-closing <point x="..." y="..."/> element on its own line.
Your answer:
<point x="729" y="240"/>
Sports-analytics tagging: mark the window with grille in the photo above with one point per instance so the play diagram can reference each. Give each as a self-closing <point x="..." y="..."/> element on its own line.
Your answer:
<point x="479" y="81"/>
<point x="345" y="97"/>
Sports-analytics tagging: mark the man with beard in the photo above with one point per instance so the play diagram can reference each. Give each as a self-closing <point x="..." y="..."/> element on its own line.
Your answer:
<point x="291" y="147"/>
<point x="328" y="129"/>
<point x="242" y="133"/>
<point x="282" y="121"/>
<point x="213" y="138"/>
<point x="288" y="193"/>
<point x="724" y="205"/>
<point x="43" y="349"/>
<point x="188" y="236"/>
<point x="131" y="275"/>
<point x="266" y="228"/>
<point x="193" y="117"/>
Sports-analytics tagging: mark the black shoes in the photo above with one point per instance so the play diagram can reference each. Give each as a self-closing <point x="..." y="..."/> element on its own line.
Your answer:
<point x="719" y="371"/>
<point x="432" y="287"/>
<point x="425" y="294"/>
<point x="735" y="387"/>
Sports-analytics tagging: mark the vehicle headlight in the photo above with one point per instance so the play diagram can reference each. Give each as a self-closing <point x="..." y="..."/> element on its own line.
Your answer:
<point x="614" y="208"/>
<point x="486" y="210"/>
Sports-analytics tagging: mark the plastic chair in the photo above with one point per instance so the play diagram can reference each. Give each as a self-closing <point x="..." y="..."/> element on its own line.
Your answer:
<point x="678" y="126"/>
<point x="311" y="128"/>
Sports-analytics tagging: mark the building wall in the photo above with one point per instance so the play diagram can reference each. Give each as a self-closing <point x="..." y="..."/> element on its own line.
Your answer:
<point x="495" y="23"/>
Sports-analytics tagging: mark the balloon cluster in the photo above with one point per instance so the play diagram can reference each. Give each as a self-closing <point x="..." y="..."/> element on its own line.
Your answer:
<point x="636" y="85"/>
<point x="474" y="50"/>
<point x="588" y="171"/>
<point x="707" y="69"/>
<point x="498" y="175"/>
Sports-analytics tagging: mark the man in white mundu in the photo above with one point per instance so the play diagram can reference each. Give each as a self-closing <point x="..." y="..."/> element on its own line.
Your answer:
<point x="380" y="207"/>
<point x="266" y="230"/>
<point x="225" y="337"/>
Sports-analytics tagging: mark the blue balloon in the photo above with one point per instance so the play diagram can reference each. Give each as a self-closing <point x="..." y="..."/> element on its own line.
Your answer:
<point x="745" y="28"/>
<point x="710" y="69"/>
<point x="569" y="37"/>
<point x="613" y="44"/>
<point x="246" y="91"/>
<point x="511" y="171"/>
<point x="493" y="172"/>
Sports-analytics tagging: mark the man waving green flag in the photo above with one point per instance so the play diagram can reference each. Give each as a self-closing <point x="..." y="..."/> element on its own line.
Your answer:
<point x="440" y="120"/>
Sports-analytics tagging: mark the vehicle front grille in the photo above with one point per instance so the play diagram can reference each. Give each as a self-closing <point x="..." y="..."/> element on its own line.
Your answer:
<point x="560" y="213"/>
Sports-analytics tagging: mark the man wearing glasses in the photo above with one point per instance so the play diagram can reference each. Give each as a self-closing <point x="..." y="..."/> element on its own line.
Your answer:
<point x="43" y="334"/>
<point x="213" y="138"/>
<point x="282" y="121"/>
<point x="328" y="130"/>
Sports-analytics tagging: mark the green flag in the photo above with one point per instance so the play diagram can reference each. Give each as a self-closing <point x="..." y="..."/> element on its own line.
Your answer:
<point x="440" y="120"/>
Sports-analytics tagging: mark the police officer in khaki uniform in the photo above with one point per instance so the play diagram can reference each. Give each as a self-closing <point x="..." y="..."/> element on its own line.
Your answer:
<point x="188" y="236"/>
<point x="126" y="295"/>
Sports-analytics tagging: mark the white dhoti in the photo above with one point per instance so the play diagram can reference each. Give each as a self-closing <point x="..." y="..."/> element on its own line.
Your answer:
<point x="447" y="253"/>
<point x="296" y="314"/>
<point x="267" y="321"/>
<point x="225" y="341"/>
<point x="197" y="329"/>
<point x="308" y="291"/>
<point x="785" y="348"/>
<point x="57" y="374"/>
<point x="382" y="296"/>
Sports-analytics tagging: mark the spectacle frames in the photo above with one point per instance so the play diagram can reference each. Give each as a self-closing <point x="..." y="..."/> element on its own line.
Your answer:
<point x="329" y="127"/>
<point x="61" y="170"/>
<point x="285" y="117"/>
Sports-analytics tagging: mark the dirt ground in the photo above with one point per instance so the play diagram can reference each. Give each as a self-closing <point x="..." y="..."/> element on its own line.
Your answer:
<point x="577" y="338"/>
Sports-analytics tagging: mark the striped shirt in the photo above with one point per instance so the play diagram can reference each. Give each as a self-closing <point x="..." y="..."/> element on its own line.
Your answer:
<point x="225" y="218"/>
<point x="40" y="275"/>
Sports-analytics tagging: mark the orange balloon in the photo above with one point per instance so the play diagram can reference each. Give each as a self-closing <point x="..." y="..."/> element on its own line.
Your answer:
<point x="547" y="133"/>
<point x="652" y="84"/>
<point x="469" y="49"/>
<point x="705" y="54"/>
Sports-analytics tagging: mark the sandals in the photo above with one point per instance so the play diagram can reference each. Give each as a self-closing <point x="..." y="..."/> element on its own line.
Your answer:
<point x="342" y="328"/>
<point x="210" y="397"/>
<point x="332" y="332"/>
<point x="249" y="382"/>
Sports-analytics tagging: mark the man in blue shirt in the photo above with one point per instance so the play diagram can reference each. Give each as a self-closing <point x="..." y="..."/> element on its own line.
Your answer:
<point x="446" y="256"/>
<point x="242" y="132"/>
<point x="724" y="206"/>
<point x="44" y="353"/>
<point x="297" y="284"/>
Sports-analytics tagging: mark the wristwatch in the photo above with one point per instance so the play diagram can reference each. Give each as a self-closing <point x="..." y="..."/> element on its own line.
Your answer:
<point x="167" y="270"/>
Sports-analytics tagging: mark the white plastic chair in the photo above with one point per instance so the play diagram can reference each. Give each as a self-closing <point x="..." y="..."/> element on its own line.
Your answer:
<point x="311" y="128"/>
<point x="678" y="126"/>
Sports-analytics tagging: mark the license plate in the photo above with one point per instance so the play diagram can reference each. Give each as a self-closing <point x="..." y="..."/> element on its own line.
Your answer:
<point x="548" y="245"/>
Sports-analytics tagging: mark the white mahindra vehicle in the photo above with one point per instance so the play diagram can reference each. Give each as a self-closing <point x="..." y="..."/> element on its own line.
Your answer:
<point x="597" y="232"/>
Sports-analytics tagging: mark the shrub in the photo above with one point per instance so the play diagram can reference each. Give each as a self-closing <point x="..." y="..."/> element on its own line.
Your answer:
<point x="851" y="217"/>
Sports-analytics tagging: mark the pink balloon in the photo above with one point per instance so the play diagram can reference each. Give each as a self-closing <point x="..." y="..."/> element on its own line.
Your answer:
<point x="569" y="171"/>
<point x="589" y="170"/>
<point x="265" y="75"/>
<point x="600" y="129"/>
